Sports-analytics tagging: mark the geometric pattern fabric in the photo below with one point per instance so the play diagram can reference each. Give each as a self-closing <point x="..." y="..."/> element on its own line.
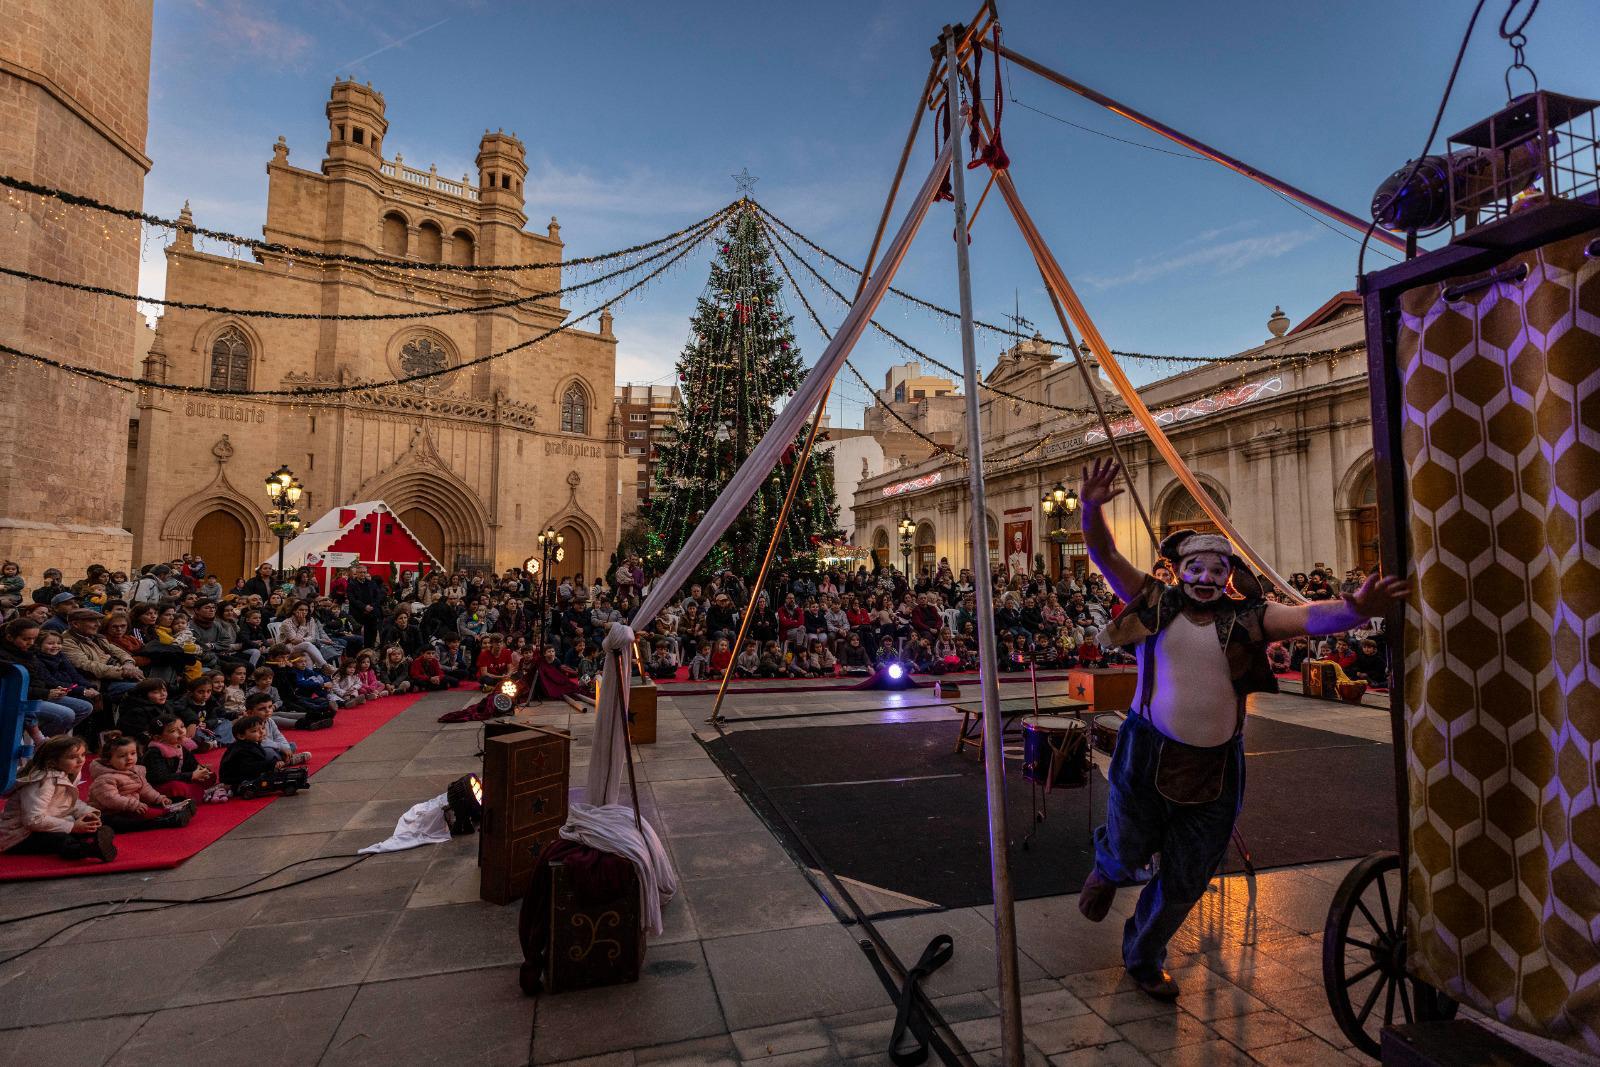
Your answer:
<point x="1501" y="440"/>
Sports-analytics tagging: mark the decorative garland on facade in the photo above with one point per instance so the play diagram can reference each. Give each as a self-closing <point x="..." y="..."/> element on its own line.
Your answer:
<point x="302" y="393"/>
<point x="255" y="244"/>
<point x="695" y="234"/>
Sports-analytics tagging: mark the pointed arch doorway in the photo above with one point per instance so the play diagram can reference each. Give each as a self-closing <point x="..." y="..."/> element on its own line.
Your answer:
<point x="428" y="530"/>
<point x="219" y="540"/>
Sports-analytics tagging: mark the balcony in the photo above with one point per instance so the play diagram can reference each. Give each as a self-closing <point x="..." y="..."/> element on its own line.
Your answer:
<point x="428" y="179"/>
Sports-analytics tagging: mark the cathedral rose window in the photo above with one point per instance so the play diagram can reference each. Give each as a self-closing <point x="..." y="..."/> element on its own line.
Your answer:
<point x="424" y="355"/>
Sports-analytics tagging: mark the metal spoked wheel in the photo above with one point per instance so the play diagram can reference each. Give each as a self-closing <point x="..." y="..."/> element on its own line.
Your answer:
<point x="1364" y="957"/>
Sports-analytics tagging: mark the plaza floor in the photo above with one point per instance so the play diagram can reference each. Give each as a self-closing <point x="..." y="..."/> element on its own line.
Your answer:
<point x="396" y="961"/>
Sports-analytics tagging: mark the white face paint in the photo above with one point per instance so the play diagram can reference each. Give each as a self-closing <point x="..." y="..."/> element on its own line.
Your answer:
<point x="1204" y="576"/>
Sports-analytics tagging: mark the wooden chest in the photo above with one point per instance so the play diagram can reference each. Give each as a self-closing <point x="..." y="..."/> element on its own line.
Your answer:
<point x="526" y="774"/>
<point x="1105" y="688"/>
<point x="593" y="942"/>
<point x="641" y="711"/>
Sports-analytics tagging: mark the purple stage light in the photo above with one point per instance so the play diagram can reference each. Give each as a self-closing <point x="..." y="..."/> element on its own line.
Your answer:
<point x="896" y="672"/>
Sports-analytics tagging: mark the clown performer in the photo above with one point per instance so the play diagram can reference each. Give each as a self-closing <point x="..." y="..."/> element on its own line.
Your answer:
<point x="1177" y="773"/>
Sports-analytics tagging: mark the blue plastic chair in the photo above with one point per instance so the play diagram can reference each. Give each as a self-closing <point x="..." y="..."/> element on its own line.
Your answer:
<point x="14" y="706"/>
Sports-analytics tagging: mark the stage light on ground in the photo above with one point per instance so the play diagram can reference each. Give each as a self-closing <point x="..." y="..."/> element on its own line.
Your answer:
<point x="464" y="800"/>
<point x="896" y="672"/>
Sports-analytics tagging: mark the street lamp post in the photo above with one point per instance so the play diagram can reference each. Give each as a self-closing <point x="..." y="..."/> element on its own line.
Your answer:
<point x="1057" y="505"/>
<point x="550" y="552"/>
<point x="908" y="530"/>
<point x="283" y="493"/>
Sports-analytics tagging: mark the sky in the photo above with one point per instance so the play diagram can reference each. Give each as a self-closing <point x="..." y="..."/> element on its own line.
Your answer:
<point x="637" y="114"/>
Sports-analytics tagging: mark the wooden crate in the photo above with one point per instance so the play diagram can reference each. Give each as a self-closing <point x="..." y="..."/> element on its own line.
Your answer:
<point x="1105" y="688"/>
<point x="593" y="942"/>
<point x="526" y="774"/>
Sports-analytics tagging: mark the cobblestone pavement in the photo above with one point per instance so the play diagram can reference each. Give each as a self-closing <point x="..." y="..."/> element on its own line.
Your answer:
<point x="397" y="961"/>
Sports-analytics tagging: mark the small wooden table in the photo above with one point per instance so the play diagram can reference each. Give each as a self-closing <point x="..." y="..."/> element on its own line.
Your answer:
<point x="1012" y="712"/>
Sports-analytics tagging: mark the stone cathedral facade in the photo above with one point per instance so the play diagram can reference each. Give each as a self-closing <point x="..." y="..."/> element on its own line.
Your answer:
<point x="475" y="462"/>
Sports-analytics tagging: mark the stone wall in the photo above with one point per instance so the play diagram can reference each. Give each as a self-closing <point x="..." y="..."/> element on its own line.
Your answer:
<point x="73" y="98"/>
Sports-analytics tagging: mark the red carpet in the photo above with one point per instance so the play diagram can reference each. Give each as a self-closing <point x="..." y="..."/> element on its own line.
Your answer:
<point x="160" y="849"/>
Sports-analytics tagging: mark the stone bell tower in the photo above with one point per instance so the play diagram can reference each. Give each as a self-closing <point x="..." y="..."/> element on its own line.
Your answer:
<point x="502" y="168"/>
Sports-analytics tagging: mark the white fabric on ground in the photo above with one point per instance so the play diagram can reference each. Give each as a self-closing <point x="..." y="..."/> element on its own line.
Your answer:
<point x="423" y="824"/>
<point x="610" y="828"/>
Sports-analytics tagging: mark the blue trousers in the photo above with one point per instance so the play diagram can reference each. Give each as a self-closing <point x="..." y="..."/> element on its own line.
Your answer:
<point x="61" y="715"/>
<point x="1190" y="838"/>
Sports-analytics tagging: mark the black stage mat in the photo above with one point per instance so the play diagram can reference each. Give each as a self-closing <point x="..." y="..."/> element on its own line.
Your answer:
<point x="894" y="806"/>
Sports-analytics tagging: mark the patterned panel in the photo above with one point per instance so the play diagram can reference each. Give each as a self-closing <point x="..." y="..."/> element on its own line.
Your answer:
<point x="1501" y="436"/>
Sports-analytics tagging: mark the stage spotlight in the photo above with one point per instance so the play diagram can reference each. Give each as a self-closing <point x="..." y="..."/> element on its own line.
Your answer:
<point x="896" y="672"/>
<point x="464" y="804"/>
<point x="506" y="699"/>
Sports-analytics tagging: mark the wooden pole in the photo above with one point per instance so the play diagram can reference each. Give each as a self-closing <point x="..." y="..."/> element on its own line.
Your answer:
<point x="1237" y="166"/>
<point x="994" y="768"/>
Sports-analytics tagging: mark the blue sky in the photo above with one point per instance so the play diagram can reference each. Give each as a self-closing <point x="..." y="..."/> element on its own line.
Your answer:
<point x="636" y="114"/>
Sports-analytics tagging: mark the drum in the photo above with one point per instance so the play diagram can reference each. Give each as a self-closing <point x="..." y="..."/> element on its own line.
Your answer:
<point x="1055" y="751"/>
<point x="1107" y="725"/>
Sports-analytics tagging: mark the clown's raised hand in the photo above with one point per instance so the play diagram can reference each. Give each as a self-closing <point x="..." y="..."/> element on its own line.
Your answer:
<point x="1377" y="596"/>
<point x="1100" y="485"/>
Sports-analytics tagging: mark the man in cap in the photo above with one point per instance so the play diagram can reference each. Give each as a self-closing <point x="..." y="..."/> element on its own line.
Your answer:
<point x="1177" y="774"/>
<point x="97" y="657"/>
<point x="61" y="605"/>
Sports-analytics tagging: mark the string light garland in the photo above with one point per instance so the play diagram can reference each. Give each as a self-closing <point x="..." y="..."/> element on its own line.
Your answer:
<point x="305" y="392"/>
<point x="1147" y="356"/>
<point x="696" y="233"/>
<point x="48" y="192"/>
<point x="916" y="352"/>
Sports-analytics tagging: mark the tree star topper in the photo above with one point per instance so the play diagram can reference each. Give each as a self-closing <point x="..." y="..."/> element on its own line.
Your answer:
<point x="744" y="183"/>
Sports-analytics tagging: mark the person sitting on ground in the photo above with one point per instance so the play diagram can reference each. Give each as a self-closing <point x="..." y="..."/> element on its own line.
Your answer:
<point x="372" y="686"/>
<point x="426" y="674"/>
<point x="495" y="663"/>
<point x="822" y="660"/>
<point x="855" y="658"/>
<point x="301" y="633"/>
<point x="298" y="707"/>
<point x="1343" y="655"/>
<point x="313" y="686"/>
<point x="45" y="813"/>
<point x="452" y="659"/>
<point x="347" y="686"/>
<point x="662" y="666"/>
<point x="1369" y="664"/>
<point x="700" y="663"/>
<point x="748" y="663"/>
<point x="259" y="706"/>
<point x="395" y="670"/>
<point x="142" y="710"/>
<point x="238" y="679"/>
<point x="721" y="658"/>
<point x="197" y="708"/>
<point x="248" y="763"/>
<point x="120" y="789"/>
<point x="170" y="761"/>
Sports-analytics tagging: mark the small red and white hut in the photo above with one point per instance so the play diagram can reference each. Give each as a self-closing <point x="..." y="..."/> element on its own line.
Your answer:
<point x="367" y="533"/>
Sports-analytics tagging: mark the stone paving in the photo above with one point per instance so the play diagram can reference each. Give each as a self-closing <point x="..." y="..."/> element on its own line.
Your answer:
<point x="396" y="961"/>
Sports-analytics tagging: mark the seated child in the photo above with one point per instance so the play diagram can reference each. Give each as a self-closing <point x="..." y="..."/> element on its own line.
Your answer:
<point x="395" y="670"/>
<point x="700" y="664"/>
<point x="259" y="706"/>
<point x="721" y="658"/>
<point x="121" y="790"/>
<point x="298" y="706"/>
<point x="312" y="687"/>
<point x="452" y="659"/>
<point x="426" y="674"/>
<point x="495" y="663"/>
<point x="347" y="686"/>
<point x="44" y="812"/>
<point x="372" y="686"/>
<point x="249" y="770"/>
<point x="662" y="666"/>
<point x="170" y="764"/>
<point x="772" y="662"/>
<point x="748" y="665"/>
<point x="233" y="692"/>
<point x="142" y="708"/>
<point x="855" y="657"/>
<point x="194" y="708"/>
<point x="590" y="665"/>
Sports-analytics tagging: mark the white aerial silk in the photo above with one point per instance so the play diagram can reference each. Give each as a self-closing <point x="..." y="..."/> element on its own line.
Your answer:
<point x="610" y="828"/>
<point x="422" y="824"/>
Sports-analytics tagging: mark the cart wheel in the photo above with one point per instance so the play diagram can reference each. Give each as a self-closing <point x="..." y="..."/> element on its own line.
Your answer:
<point x="1364" y="957"/>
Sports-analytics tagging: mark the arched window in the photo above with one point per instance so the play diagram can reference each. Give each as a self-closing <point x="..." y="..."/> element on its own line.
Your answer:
<point x="1183" y="512"/>
<point x="461" y="248"/>
<point x="430" y="243"/>
<point x="230" y="361"/>
<point x="574" y="410"/>
<point x="394" y="235"/>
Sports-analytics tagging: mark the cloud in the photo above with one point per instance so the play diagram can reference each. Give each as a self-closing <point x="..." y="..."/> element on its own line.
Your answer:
<point x="1222" y="258"/>
<point x="236" y="23"/>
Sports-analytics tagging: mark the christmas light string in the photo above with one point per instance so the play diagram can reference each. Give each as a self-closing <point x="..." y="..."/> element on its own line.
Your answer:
<point x="388" y="316"/>
<point x="304" y="392"/>
<point x="47" y="192"/>
<point x="916" y="352"/>
<point x="1276" y="357"/>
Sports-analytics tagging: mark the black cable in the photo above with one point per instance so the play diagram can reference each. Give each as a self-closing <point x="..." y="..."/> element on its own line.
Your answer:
<point x="296" y="252"/>
<point x="165" y="903"/>
<point x="1433" y="130"/>
<point x="304" y="392"/>
<point x="315" y="316"/>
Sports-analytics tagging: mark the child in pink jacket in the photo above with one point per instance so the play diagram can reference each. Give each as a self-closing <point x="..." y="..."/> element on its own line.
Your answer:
<point x="372" y="686"/>
<point x="45" y="814"/>
<point x="124" y="795"/>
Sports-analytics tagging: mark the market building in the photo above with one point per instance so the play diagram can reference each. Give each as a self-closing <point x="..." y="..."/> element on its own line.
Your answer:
<point x="476" y="461"/>
<point x="1284" y="445"/>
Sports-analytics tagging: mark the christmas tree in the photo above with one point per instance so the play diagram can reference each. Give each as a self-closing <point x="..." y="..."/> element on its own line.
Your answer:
<point x="738" y="365"/>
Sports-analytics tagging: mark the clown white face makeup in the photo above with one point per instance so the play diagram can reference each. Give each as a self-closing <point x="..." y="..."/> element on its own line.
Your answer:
<point x="1204" y="576"/>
